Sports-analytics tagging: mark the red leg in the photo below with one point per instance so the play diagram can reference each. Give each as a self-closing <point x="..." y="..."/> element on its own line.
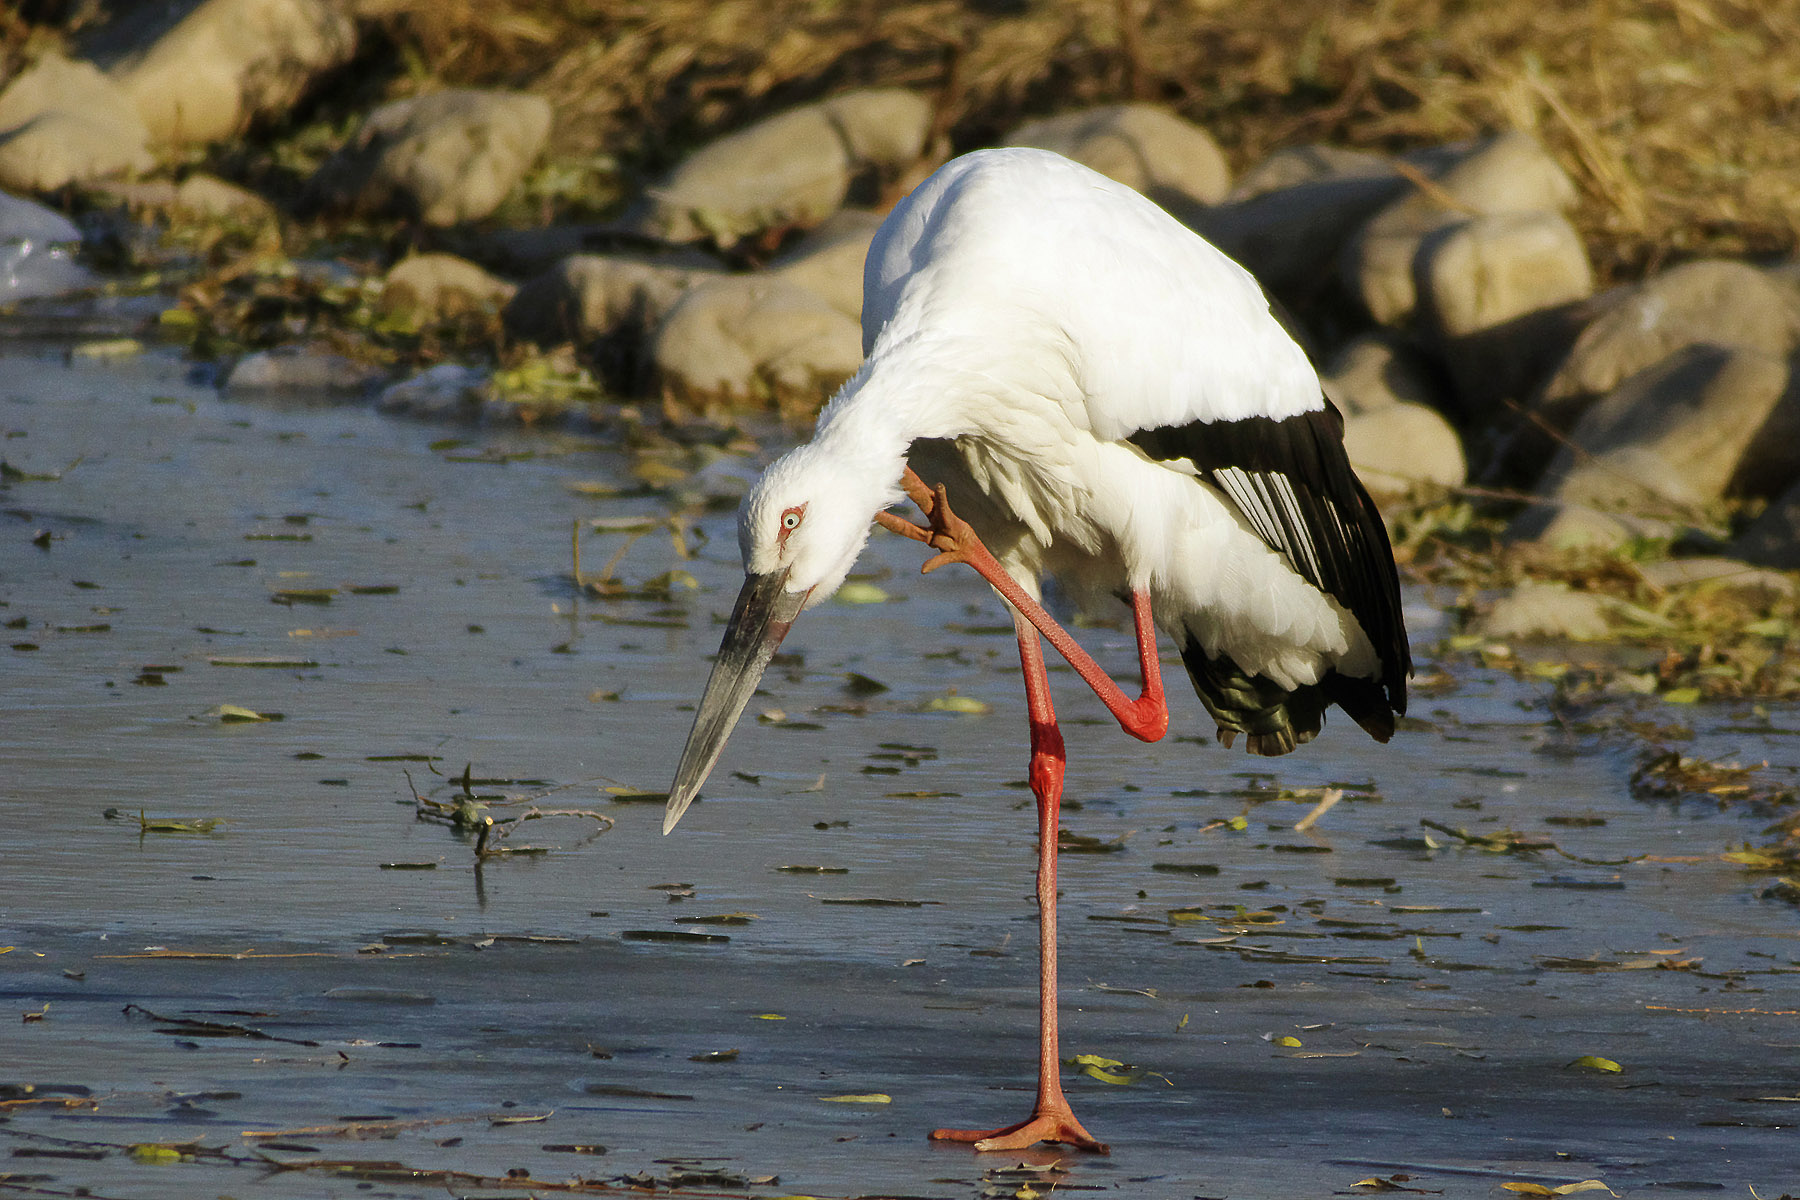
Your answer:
<point x="1051" y="1118"/>
<point x="1147" y="717"/>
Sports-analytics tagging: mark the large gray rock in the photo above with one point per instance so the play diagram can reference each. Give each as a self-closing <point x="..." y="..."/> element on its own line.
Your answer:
<point x="63" y="122"/>
<point x="1372" y="372"/>
<point x="448" y="391"/>
<point x="588" y="296"/>
<point x="794" y="168"/>
<point x="37" y="252"/>
<point x="1708" y="301"/>
<point x="198" y="197"/>
<point x="1143" y="146"/>
<point x="1403" y="448"/>
<point x="1396" y="439"/>
<point x="432" y="287"/>
<point x="1538" y="609"/>
<point x="1666" y="442"/>
<point x="745" y="335"/>
<point x="1713" y="572"/>
<point x="1510" y="173"/>
<point x="230" y="62"/>
<point x="442" y="158"/>
<point x="300" y="369"/>
<point x="829" y="261"/>
<point x="1773" y="539"/>
<point x="1493" y="268"/>
<point x="1496" y="296"/>
<point x="1288" y="218"/>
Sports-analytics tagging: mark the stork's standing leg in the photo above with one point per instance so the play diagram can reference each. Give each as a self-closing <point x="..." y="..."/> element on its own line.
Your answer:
<point x="1146" y="718"/>
<point x="1051" y="1118"/>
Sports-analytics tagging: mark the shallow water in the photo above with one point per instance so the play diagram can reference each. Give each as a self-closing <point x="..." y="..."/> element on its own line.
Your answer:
<point x="1437" y="994"/>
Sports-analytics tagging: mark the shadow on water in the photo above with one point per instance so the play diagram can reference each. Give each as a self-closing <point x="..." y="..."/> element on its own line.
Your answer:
<point x="325" y="978"/>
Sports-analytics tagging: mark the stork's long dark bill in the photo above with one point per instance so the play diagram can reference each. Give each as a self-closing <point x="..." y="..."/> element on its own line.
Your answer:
<point x="764" y="612"/>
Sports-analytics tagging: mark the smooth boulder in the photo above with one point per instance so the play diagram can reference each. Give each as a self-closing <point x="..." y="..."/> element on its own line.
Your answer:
<point x="422" y="288"/>
<point x="792" y="169"/>
<point x="1707" y="301"/>
<point x="588" y="296"/>
<point x="229" y="63"/>
<point x="1143" y="146"/>
<point x="62" y="122"/>
<point x="1702" y="423"/>
<point x="1511" y="173"/>
<point x="749" y="335"/>
<point x="441" y="158"/>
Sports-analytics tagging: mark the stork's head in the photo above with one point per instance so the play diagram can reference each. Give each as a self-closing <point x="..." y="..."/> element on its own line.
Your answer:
<point x="800" y="529"/>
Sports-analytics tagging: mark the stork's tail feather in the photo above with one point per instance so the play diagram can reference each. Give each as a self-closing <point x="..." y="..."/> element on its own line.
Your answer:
<point x="1275" y="719"/>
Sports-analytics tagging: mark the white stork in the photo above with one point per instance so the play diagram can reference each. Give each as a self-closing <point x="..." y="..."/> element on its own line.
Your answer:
<point x="1109" y="401"/>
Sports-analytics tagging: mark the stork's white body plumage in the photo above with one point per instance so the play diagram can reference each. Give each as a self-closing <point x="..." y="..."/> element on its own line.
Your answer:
<point x="1010" y="307"/>
<point x="1109" y="402"/>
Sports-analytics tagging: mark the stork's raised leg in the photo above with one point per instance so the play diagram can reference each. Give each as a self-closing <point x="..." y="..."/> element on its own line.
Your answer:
<point x="1146" y="717"/>
<point x="1051" y="1118"/>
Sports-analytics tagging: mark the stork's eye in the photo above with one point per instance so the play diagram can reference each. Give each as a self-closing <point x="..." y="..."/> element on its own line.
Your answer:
<point x="790" y="520"/>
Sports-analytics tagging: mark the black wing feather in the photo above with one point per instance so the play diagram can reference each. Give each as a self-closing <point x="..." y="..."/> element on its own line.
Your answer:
<point x="1293" y="482"/>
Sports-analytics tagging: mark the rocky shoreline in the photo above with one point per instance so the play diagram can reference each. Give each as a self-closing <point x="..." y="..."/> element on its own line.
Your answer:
<point x="1508" y="409"/>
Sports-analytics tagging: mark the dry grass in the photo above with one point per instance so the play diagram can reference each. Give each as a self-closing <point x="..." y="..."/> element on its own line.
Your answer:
<point x="1674" y="116"/>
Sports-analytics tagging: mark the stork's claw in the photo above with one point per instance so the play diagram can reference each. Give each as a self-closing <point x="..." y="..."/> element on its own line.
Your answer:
<point x="951" y="536"/>
<point x="1045" y="1125"/>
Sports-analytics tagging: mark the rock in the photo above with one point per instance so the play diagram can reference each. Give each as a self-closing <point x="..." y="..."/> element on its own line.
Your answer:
<point x="64" y="122"/>
<point x="1773" y="539"/>
<point x="423" y="288"/>
<point x="1143" y="146"/>
<point x="1510" y="173"/>
<point x="1667" y="441"/>
<point x="37" y="252"/>
<point x="742" y="334"/>
<point x="1297" y="166"/>
<point x="1495" y="295"/>
<point x="230" y="62"/>
<point x="1490" y="269"/>
<point x="1400" y="447"/>
<point x="441" y="158"/>
<point x="1395" y="437"/>
<point x="829" y="261"/>
<point x="1536" y="609"/>
<point x="26" y="221"/>
<point x="300" y="369"/>
<point x="198" y="197"/>
<point x="447" y="391"/>
<point x="1290" y="216"/>
<point x="794" y="168"/>
<point x="1717" y="572"/>
<point x="211" y="198"/>
<point x="588" y="296"/>
<point x="1372" y="372"/>
<point x="1725" y="303"/>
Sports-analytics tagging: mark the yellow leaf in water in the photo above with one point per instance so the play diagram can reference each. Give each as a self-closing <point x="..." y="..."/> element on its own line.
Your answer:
<point x="123" y="347"/>
<point x="1106" y="1070"/>
<point x="857" y="592"/>
<point x="1593" y="1062"/>
<point x="150" y="1152"/>
<point x="861" y="1098"/>
<point x="1292" y="1043"/>
<point x="956" y="704"/>
<point x="770" y="1017"/>
<point x="1528" y="1189"/>
<point x="235" y="712"/>
<point x="1751" y="858"/>
<point x="1682" y="695"/>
